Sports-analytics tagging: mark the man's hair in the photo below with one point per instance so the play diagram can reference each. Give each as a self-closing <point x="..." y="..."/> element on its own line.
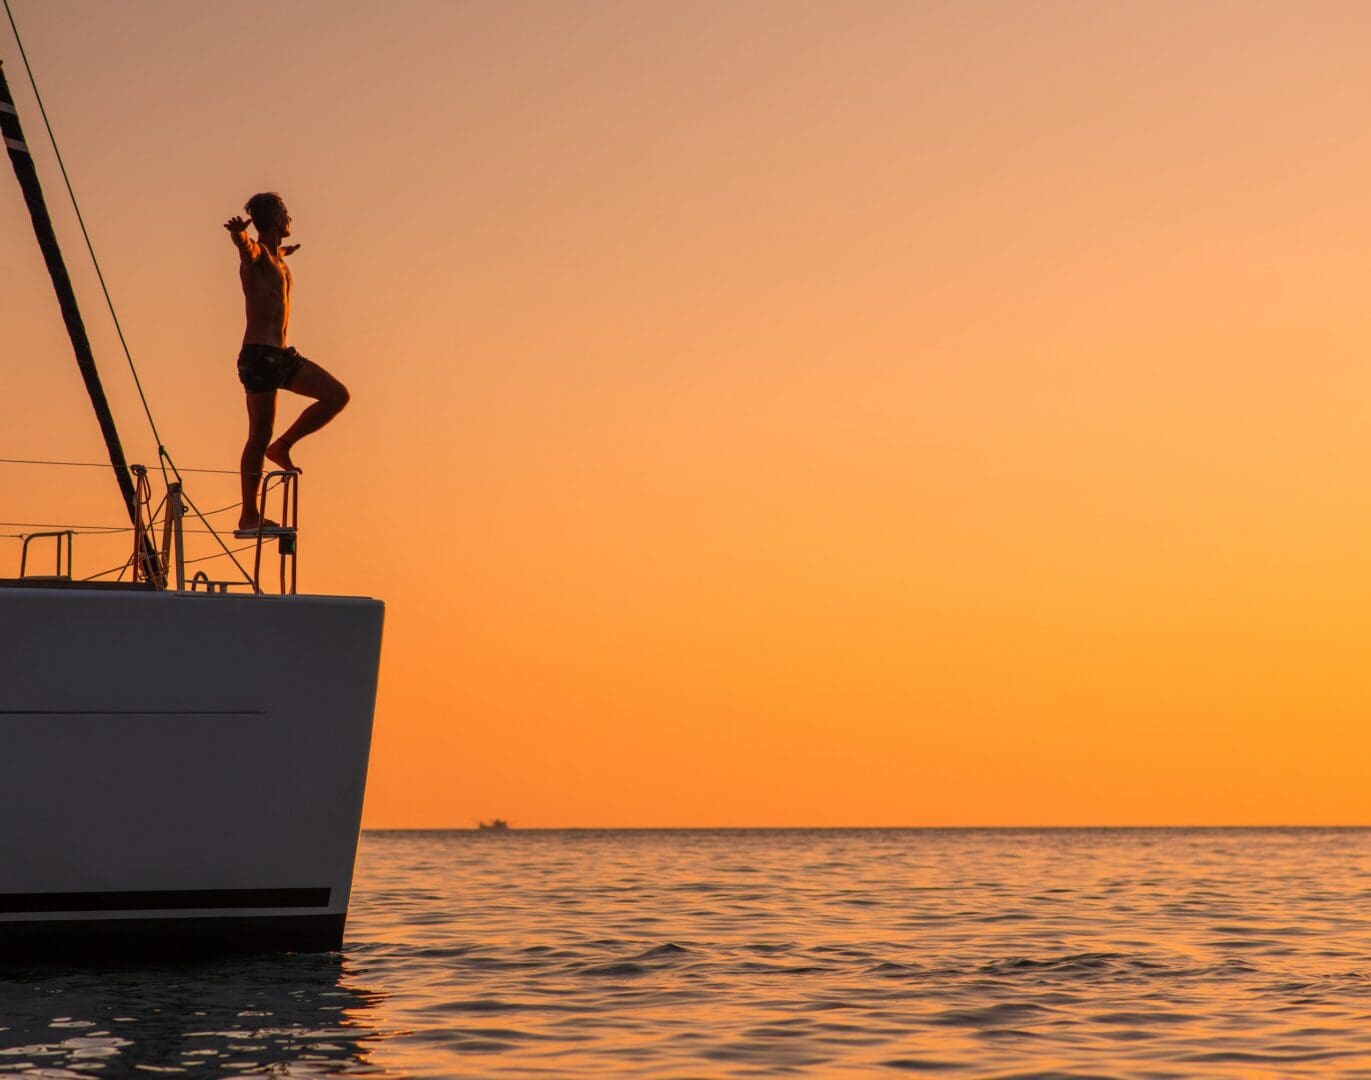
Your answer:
<point x="262" y="204"/>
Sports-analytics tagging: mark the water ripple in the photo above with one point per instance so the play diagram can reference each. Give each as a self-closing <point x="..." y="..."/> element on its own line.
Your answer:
<point x="978" y="953"/>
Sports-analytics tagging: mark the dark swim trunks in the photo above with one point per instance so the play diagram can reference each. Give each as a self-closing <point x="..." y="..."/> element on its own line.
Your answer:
<point x="265" y="367"/>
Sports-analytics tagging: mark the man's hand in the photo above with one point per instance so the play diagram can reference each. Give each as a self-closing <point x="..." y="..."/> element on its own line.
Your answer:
<point x="290" y="249"/>
<point x="236" y="224"/>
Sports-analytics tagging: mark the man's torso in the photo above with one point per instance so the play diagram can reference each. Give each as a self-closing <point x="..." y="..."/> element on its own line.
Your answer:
<point x="266" y="292"/>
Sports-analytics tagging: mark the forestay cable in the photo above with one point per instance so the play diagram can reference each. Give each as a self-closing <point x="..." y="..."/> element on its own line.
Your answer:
<point x="102" y="465"/>
<point x="80" y="218"/>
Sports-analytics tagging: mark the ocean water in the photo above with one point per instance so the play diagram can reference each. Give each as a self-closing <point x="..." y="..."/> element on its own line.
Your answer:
<point x="1055" y="953"/>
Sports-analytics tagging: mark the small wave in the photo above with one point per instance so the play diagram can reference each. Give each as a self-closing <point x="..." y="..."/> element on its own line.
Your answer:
<point x="1231" y="968"/>
<point x="625" y="969"/>
<point x="921" y="1065"/>
<point x="1251" y="1057"/>
<point x="660" y="952"/>
<point x="768" y="1054"/>
<point x="1255" y="944"/>
<point x="479" y="1046"/>
<point x="991" y="1016"/>
<point x="1078" y="962"/>
<point x="1143" y="1018"/>
<point x="890" y="969"/>
<point x="477" y="1005"/>
<point x="1269" y="931"/>
<point x="510" y="1035"/>
<point x="758" y="968"/>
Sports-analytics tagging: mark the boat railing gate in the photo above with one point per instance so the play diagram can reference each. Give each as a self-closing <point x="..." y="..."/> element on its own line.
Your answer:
<point x="286" y="533"/>
<point x="64" y="538"/>
<point x="167" y="564"/>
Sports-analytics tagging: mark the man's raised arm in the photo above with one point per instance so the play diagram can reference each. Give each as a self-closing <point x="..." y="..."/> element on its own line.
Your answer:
<point x="238" y="232"/>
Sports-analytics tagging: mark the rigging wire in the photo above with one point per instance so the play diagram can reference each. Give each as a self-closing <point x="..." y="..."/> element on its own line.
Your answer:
<point x="220" y="540"/>
<point x="232" y="554"/>
<point x="203" y="558"/>
<point x="80" y="530"/>
<point x="227" y="506"/>
<point x="164" y="458"/>
<point x="100" y="530"/>
<point x="80" y="218"/>
<point x="100" y="465"/>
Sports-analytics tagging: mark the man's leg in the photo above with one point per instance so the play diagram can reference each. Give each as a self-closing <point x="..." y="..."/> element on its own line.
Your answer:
<point x="329" y="398"/>
<point x="261" y="418"/>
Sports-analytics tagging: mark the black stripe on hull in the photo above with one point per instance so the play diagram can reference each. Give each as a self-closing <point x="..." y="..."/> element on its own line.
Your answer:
<point x="161" y="900"/>
<point x="88" y="941"/>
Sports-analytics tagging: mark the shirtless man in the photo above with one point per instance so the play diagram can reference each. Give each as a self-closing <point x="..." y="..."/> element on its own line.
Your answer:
<point x="266" y="364"/>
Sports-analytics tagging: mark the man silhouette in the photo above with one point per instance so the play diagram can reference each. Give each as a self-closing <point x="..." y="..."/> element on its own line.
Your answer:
<point x="266" y="364"/>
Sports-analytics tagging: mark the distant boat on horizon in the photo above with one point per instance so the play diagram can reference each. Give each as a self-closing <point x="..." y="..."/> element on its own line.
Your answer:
<point x="493" y="823"/>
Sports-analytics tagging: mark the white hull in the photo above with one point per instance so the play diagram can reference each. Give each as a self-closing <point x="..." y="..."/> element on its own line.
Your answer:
<point x="180" y="771"/>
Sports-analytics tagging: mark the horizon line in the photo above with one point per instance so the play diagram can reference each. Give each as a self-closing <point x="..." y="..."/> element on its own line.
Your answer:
<point x="856" y="828"/>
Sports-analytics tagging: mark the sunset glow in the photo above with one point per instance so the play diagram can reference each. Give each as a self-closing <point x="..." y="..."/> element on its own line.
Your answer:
<point x="765" y="413"/>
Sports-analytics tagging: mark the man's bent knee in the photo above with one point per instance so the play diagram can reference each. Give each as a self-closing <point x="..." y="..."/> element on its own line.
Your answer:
<point x="340" y="396"/>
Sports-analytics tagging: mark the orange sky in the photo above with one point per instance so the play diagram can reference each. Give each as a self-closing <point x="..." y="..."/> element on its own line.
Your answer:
<point x="765" y="413"/>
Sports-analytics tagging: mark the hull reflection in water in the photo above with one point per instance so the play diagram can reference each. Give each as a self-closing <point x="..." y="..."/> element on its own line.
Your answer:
<point x="299" y="1015"/>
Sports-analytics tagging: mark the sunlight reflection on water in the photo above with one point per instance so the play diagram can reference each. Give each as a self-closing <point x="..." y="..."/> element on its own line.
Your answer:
<point x="1168" y="953"/>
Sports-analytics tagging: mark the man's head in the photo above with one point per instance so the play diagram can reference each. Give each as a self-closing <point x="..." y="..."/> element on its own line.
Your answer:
<point x="268" y="212"/>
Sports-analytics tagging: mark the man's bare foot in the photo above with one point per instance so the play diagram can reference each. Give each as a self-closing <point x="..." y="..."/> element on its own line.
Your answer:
<point x="250" y="524"/>
<point x="280" y="455"/>
<point x="248" y="530"/>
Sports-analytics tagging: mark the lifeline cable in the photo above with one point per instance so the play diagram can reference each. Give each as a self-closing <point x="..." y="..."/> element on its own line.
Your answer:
<point x="95" y="530"/>
<point x="203" y="558"/>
